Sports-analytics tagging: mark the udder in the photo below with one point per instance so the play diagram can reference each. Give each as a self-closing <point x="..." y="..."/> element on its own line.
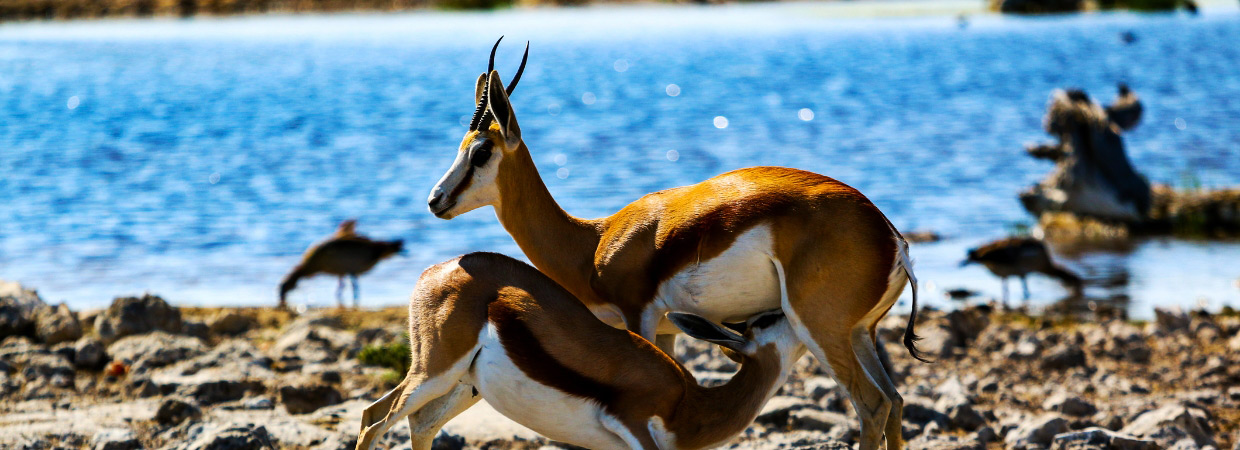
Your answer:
<point x="736" y="284"/>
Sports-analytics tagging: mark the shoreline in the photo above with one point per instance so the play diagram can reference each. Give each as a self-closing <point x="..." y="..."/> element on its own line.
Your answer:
<point x="145" y="374"/>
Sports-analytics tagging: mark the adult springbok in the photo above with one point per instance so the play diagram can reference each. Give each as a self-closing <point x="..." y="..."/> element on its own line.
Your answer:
<point x="720" y="249"/>
<point x="486" y="326"/>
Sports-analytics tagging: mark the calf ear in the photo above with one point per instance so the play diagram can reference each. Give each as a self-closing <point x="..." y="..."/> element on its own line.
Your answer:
<point x="501" y="110"/>
<point x="708" y="331"/>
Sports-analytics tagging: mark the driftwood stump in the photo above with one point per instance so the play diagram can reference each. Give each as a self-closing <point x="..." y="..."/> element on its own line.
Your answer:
<point x="1094" y="193"/>
<point x="1093" y="176"/>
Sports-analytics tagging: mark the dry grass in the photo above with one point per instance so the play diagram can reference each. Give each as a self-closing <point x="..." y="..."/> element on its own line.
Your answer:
<point x="266" y="317"/>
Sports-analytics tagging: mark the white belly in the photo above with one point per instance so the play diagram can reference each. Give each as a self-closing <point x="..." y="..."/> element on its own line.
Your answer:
<point x="730" y="287"/>
<point x="548" y="411"/>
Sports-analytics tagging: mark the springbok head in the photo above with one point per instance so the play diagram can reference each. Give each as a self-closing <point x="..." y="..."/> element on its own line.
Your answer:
<point x="763" y="329"/>
<point x="493" y="135"/>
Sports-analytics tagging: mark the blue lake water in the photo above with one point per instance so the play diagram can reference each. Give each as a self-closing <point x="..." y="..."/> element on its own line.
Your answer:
<point x="197" y="159"/>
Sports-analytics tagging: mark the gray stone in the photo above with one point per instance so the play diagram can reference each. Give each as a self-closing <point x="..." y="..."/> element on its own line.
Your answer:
<point x="826" y="445"/>
<point x="154" y="350"/>
<point x="219" y="391"/>
<point x="448" y="441"/>
<point x="330" y="376"/>
<point x="142" y="387"/>
<point x="1100" y="437"/>
<point x="778" y="410"/>
<point x="844" y="434"/>
<point x="809" y="419"/>
<point x="235" y="436"/>
<point x="343" y="442"/>
<point x="32" y="443"/>
<point x="986" y="435"/>
<point x="136" y="315"/>
<point x="65" y="350"/>
<point x="937" y="341"/>
<point x="1064" y="357"/>
<point x="1171" y="424"/>
<point x="920" y="412"/>
<point x="1171" y="320"/>
<point x="17" y="350"/>
<point x="115" y="439"/>
<point x="89" y="354"/>
<point x="1039" y="431"/>
<point x="802" y="440"/>
<point x="46" y="367"/>
<point x="196" y="329"/>
<point x="313" y="344"/>
<point x="258" y="403"/>
<point x="945" y="442"/>
<point x="308" y="397"/>
<point x="18" y="307"/>
<point x="1069" y="404"/>
<point x="56" y="324"/>
<point x="317" y="319"/>
<point x="952" y="392"/>
<point x="173" y="411"/>
<point x="819" y="387"/>
<point x="231" y="359"/>
<point x="1028" y="347"/>
<point x="967" y="324"/>
<point x="231" y="323"/>
<point x="965" y="417"/>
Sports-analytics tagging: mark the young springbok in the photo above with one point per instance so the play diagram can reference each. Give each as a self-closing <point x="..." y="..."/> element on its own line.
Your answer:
<point x="486" y="326"/>
<point x="718" y="249"/>
<point x="344" y="253"/>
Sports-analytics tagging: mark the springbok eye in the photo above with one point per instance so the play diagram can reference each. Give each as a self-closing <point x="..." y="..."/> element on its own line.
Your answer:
<point x="481" y="155"/>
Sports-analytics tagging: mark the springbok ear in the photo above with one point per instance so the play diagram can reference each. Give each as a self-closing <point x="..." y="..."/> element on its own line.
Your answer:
<point x="708" y="331"/>
<point x="501" y="110"/>
<point x="479" y="88"/>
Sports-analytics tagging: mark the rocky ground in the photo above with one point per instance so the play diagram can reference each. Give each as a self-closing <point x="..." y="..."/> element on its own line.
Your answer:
<point x="144" y="374"/>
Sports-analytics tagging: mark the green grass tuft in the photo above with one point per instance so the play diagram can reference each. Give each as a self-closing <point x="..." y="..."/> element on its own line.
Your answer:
<point x="394" y="356"/>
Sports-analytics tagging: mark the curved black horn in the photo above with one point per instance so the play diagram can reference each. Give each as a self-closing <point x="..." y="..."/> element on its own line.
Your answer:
<point x="491" y="65"/>
<point x="521" y="69"/>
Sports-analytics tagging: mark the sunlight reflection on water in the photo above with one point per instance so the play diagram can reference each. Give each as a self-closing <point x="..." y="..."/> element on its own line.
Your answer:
<point x="198" y="158"/>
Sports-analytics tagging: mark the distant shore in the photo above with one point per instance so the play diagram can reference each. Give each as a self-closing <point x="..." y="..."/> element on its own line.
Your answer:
<point x="146" y="374"/>
<point x="36" y="10"/>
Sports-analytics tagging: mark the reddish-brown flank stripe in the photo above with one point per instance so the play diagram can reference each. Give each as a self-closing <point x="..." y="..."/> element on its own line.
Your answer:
<point x="697" y="223"/>
<point x="529" y="355"/>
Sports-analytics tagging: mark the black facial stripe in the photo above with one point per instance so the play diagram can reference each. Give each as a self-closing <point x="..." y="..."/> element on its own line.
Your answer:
<point x="464" y="184"/>
<point x="480" y="154"/>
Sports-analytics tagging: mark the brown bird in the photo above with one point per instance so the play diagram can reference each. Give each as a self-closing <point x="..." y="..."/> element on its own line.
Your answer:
<point x="1125" y="111"/>
<point x="345" y="253"/>
<point x="1020" y="256"/>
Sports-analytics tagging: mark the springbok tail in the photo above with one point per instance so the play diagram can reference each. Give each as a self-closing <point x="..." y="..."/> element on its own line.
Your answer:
<point x="910" y="337"/>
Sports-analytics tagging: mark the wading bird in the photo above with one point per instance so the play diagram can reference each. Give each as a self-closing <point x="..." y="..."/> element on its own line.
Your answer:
<point x="345" y="253"/>
<point x="486" y="326"/>
<point x="1125" y="111"/>
<point x="735" y="245"/>
<point x="1020" y="256"/>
